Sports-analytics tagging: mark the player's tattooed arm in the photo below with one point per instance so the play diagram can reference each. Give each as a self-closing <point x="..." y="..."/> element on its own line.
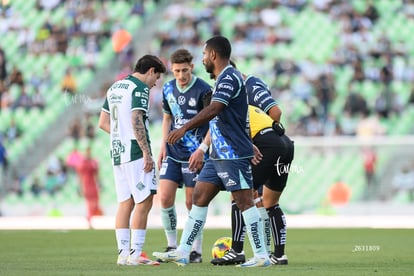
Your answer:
<point x="140" y="132"/>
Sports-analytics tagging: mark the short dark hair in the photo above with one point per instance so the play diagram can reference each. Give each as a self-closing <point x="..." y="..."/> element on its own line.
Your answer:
<point x="220" y="45"/>
<point x="147" y="62"/>
<point x="181" y="56"/>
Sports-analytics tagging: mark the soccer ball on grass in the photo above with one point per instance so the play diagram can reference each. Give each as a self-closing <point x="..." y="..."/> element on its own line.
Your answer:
<point x="221" y="247"/>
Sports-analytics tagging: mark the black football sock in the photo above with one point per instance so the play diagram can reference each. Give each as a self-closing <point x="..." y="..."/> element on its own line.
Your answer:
<point x="238" y="228"/>
<point x="278" y="226"/>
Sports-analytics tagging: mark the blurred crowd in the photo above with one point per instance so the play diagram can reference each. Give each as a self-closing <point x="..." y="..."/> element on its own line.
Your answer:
<point x="371" y="57"/>
<point x="77" y="37"/>
<point x="308" y="84"/>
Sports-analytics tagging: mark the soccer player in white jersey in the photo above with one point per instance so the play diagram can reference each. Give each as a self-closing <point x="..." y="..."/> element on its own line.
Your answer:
<point x="183" y="98"/>
<point x="124" y="116"/>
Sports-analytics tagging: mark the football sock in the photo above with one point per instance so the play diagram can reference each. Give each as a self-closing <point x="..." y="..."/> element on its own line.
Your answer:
<point x="198" y="243"/>
<point x="278" y="226"/>
<point x="266" y="228"/>
<point x="169" y="222"/>
<point x="123" y="237"/>
<point x="254" y="226"/>
<point x="137" y="242"/>
<point x="238" y="228"/>
<point x="193" y="225"/>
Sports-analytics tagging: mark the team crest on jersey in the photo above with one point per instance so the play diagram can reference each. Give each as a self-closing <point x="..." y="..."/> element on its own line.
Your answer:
<point x="181" y="100"/>
<point x="192" y="102"/>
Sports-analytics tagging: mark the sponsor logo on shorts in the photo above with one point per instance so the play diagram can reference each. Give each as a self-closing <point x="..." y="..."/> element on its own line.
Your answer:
<point x="186" y="170"/>
<point x="223" y="174"/>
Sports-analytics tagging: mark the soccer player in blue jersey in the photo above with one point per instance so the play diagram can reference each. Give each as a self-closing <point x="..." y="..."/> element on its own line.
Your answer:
<point x="229" y="165"/>
<point x="183" y="98"/>
<point x="272" y="147"/>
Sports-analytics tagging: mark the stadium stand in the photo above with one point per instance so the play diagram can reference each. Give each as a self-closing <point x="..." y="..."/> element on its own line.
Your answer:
<point x="325" y="61"/>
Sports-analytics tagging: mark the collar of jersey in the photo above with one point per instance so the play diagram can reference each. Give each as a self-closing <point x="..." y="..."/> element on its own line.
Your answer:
<point x="193" y="80"/>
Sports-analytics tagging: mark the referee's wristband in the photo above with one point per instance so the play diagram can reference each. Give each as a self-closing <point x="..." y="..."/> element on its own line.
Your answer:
<point x="203" y="147"/>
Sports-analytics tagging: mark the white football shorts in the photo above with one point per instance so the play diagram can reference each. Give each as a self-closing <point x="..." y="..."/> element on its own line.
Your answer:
<point x="130" y="179"/>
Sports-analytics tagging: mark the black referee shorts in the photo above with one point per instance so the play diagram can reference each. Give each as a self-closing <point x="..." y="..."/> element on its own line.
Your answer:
<point x="278" y="153"/>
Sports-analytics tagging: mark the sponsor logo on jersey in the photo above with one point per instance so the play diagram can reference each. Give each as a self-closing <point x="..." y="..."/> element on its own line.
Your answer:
<point x="115" y="98"/>
<point x="143" y="101"/>
<point x="227" y="86"/>
<point x="259" y="95"/>
<point x="181" y="100"/>
<point x="224" y="94"/>
<point x="120" y="85"/>
<point x="191" y="111"/>
<point x="179" y="122"/>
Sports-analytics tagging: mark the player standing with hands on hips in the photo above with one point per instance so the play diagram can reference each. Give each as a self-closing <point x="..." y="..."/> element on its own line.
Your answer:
<point x="229" y="165"/>
<point x="179" y="163"/>
<point x="124" y="116"/>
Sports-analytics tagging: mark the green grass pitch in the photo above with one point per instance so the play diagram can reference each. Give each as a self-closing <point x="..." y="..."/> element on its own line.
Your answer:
<point x="310" y="252"/>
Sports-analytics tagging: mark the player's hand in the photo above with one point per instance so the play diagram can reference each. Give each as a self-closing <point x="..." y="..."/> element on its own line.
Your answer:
<point x="257" y="155"/>
<point x="148" y="163"/>
<point x="196" y="160"/>
<point x="175" y="135"/>
<point x="161" y="156"/>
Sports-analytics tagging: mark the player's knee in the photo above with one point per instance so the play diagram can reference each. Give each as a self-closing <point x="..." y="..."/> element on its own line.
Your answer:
<point x="166" y="201"/>
<point x="188" y="204"/>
